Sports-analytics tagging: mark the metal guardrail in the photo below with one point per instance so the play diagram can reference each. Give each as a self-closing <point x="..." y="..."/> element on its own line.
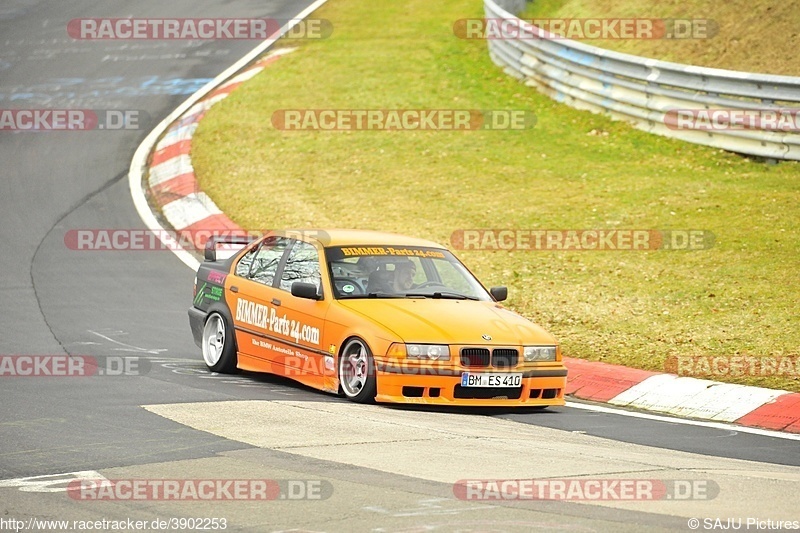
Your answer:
<point x="643" y="91"/>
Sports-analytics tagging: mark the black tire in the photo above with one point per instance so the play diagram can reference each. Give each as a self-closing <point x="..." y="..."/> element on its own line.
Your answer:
<point x="218" y="344"/>
<point x="357" y="372"/>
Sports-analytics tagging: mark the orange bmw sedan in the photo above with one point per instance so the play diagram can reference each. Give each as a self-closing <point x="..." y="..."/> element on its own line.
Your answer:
<point x="371" y="316"/>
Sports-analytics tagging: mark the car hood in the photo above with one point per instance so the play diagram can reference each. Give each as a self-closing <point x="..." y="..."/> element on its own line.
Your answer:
<point x="429" y="320"/>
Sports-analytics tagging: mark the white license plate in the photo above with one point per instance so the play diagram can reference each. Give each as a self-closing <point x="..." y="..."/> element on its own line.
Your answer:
<point x="473" y="379"/>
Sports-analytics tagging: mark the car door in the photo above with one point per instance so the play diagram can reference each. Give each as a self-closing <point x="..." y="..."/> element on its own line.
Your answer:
<point x="306" y="317"/>
<point x="253" y="294"/>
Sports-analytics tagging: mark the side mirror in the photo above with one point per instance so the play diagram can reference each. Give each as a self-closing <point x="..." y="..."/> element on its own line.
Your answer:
<point x="499" y="293"/>
<point x="305" y="290"/>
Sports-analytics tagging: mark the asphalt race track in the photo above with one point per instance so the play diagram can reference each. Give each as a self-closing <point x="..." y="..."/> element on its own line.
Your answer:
<point x="382" y="469"/>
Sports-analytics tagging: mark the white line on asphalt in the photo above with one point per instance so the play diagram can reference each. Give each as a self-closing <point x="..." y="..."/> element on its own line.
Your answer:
<point x="50" y="482"/>
<point x="684" y="421"/>
<point x="129" y="347"/>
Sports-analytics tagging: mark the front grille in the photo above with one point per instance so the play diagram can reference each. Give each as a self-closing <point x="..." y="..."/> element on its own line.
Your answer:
<point x="475" y="357"/>
<point x="481" y="357"/>
<point x="505" y="357"/>
<point x="487" y="393"/>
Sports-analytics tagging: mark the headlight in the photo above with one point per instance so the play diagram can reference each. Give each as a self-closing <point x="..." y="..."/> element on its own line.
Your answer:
<point x="539" y="353"/>
<point x="435" y="352"/>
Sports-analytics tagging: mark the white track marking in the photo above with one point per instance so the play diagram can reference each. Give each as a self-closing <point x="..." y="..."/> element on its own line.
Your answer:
<point x="684" y="421"/>
<point x="129" y="347"/>
<point x="50" y="482"/>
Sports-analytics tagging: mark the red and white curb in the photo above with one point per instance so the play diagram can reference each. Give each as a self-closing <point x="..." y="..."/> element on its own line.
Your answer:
<point x="139" y="162"/>
<point x="171" y="180"/>
<point x="173" y="187"/>
<point x="684" y="396"/>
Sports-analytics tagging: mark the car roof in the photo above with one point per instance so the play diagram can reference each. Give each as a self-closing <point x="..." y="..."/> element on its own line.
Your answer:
<point x="352" y="237"/>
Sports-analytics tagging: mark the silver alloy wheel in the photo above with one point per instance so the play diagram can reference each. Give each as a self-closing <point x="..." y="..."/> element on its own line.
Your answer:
<point x="354" y="368"/>
<point x="213" y="339"/>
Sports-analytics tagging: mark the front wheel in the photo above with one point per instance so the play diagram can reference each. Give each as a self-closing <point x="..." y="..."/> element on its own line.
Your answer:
<point x="219" y="351"/>
<point x="357" y="372"/>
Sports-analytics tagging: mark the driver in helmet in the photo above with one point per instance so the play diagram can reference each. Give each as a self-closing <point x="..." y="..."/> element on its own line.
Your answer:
<point x="404" y="276"/>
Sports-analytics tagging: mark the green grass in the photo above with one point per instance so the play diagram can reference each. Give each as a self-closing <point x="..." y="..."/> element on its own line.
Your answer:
<point x="749" y="35"/>
<point x="573" y="170"/>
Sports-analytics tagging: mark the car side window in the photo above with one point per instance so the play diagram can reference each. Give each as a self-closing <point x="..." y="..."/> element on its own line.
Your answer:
<point x="261" y="264"/>
<point x="301" y="265"/>
<point x="243" y="266"/>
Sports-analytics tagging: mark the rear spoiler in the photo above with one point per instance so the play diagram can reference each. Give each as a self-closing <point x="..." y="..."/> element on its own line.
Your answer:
<point x="227" y="244"/>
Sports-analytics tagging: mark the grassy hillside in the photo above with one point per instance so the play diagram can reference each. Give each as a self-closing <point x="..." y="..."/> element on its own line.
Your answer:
<point x="754" y="35"/>
<point x="573" y="170"/>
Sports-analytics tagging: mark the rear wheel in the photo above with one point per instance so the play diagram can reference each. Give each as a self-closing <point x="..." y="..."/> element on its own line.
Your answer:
<point x="357" y="372"/>
<point x="219" y="351"/>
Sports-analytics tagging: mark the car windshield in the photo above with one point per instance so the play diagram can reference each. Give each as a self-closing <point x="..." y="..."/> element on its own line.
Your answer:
<point x="372" y="271"/>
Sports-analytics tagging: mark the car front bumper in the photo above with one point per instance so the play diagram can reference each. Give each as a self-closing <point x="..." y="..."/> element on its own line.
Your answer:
<point x="541" y="386"/>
